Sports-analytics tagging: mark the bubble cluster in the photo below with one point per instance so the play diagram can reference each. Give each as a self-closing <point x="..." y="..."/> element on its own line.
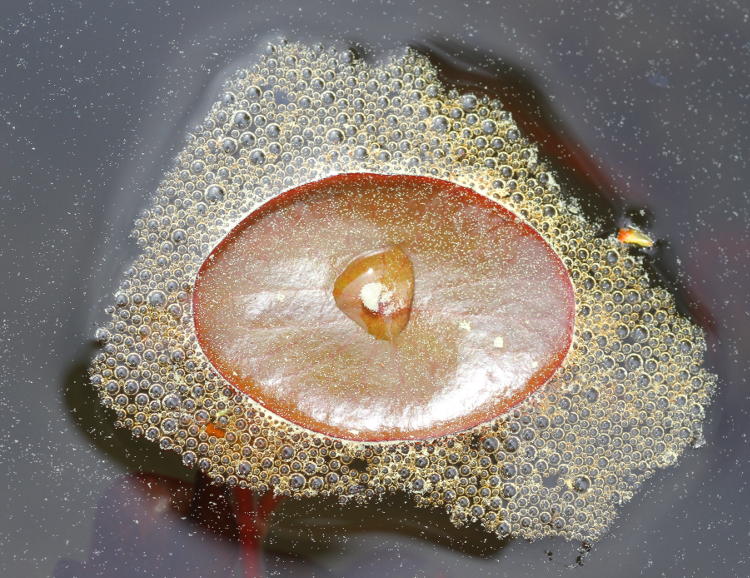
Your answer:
<point x="629" y="398"/>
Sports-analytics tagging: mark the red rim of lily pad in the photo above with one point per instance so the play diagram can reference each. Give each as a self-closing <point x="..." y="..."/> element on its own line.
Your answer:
<point x="510" y="318"/>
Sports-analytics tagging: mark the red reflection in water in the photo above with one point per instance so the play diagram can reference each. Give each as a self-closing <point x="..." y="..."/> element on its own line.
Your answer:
<point x="149" y="525"/>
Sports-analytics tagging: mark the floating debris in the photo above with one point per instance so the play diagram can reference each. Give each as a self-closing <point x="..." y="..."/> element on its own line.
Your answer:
<point x="631" y="236"/>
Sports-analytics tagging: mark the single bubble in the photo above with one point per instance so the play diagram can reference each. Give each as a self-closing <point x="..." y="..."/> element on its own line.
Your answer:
<point x="581" y="484"/>
<point x="440" y="124"/>
<point x="257" y="156"/>
<point x="241" y="119"/>
<point x="229" y="145"/>
<point x="214" y="193"/>
<point x="335" y="136"/>
<point x="468" y="102"/>
<point x="157" y="299"/>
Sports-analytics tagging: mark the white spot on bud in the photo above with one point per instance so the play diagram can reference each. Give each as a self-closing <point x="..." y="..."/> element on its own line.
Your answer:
<point x="378" y="298"/>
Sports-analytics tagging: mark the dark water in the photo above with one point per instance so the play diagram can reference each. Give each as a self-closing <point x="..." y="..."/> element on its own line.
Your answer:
<point x="643" y="110"/>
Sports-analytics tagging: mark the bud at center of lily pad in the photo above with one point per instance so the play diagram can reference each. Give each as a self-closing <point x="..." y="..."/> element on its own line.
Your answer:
<point x="376" y="290"/>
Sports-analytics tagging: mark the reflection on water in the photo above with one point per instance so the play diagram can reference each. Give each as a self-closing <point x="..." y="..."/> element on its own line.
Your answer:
<point x="150" y="525"/>
<point x="155" y="525"/>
